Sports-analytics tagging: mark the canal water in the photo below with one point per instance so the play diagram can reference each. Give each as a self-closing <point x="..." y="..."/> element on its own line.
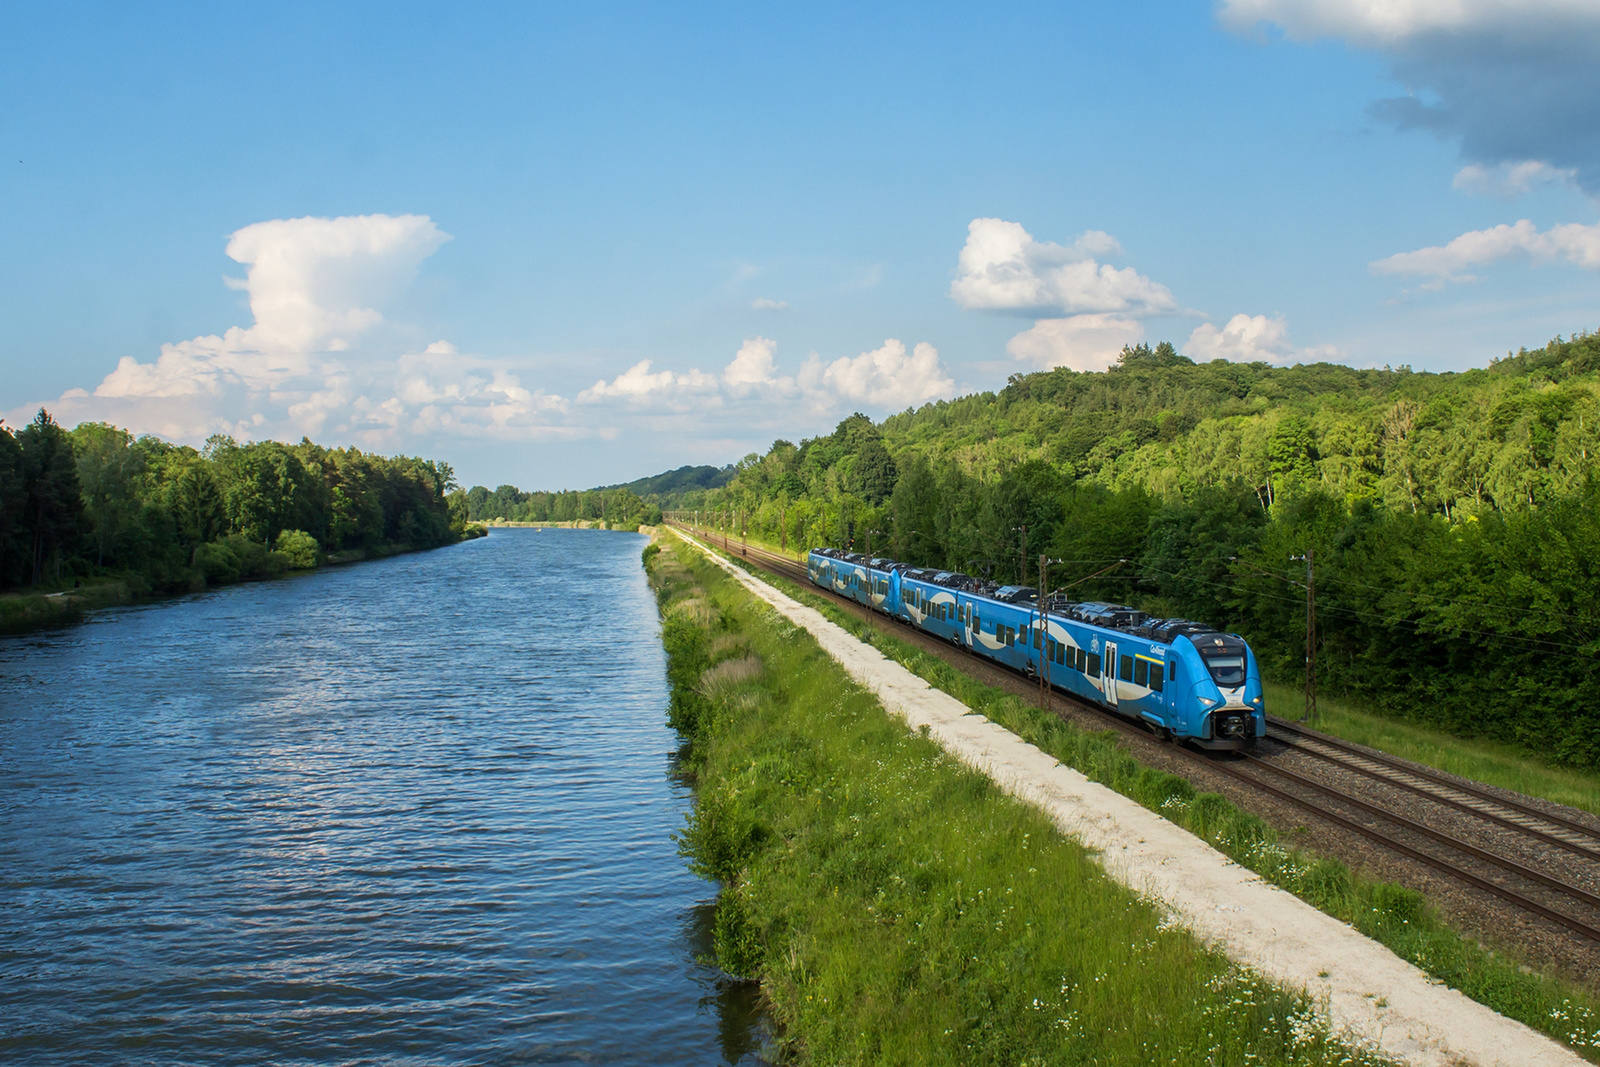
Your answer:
<point x="413" y="811"/>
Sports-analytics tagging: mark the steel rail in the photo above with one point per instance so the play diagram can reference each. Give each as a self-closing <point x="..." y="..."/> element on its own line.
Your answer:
<point x="779" y="564"/>
<point x="1386" y="760"/>
<point x="1448" y="840"/>
<point x="1460" y="805"/>
<point x="1511" y="896"/>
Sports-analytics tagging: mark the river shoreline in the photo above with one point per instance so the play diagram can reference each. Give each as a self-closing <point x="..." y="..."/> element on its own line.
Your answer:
<point x="22" y="613"/>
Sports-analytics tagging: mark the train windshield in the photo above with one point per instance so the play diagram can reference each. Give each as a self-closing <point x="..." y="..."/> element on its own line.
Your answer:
<point x="1226" y="671"/>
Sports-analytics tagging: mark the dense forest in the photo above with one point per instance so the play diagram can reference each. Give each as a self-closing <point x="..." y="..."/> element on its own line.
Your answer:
<point x="1453" y="519"/>
<point x="96" y="501"/>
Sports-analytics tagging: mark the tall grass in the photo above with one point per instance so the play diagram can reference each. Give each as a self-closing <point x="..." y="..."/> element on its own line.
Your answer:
<point x="1393" y="915"/>
<point x="895" y="906"/>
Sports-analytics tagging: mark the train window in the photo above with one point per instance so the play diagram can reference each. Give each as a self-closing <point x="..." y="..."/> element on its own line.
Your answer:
<point x="1093" y="664"/>
<point x="1172" y="671"/>
<point x="1126" y="673"/>
<point x="1037" y="638"/>
<point x="1061" y="653"/>
<point x="1227" y="671"/>
<point x="1141" y="672"/>
<point x="1083" y="662"/>
<point x="1155" y="677"/>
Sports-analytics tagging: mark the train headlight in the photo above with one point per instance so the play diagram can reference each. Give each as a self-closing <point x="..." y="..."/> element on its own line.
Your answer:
<point x="1206" y="702"/>
<point x="1255" y="700"/>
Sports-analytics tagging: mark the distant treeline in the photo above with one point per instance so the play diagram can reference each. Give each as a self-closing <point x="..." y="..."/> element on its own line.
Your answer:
<point x="1454" y="519"/>
<point x="96" y="501"/>
<point x="618" y="507"/>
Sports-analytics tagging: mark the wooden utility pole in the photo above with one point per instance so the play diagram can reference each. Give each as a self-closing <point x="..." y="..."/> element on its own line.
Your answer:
<point x="1044" y="637"/>
<point x="1311" y="637"/>
<point x="1311" y="640"/>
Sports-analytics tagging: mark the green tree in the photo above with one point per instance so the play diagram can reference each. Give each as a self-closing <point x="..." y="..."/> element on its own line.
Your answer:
<point x="54" y="505"/>
<point x="110" y="472"/>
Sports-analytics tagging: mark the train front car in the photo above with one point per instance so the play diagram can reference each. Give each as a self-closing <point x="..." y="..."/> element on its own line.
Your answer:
<point x="1224" y="704"/>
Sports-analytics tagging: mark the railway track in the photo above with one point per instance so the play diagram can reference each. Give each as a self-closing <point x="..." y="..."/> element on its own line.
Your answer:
<point x="1526" y="888"/>
<point x="1546" y="826"/>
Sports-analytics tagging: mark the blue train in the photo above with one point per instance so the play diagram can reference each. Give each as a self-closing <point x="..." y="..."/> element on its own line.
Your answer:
<point x="1185" y="680"/>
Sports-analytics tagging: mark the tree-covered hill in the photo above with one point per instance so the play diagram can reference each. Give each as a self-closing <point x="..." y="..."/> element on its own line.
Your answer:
<point x="630" y="504"/>
<point x="1454" y="519"/>
<point x="682" y="480"/>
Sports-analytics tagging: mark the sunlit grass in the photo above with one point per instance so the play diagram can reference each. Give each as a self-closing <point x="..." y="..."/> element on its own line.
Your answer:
<point x="1481" y="760"/>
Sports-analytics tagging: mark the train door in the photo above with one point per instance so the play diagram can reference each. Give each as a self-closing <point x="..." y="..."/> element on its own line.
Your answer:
<point x="1108" y="673"/>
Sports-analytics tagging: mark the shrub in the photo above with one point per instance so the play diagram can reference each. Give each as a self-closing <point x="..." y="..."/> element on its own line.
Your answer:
<point x="299" y="549"/>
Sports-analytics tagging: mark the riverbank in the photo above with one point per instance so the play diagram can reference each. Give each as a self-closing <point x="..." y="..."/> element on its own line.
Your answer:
<point x="22" y="612"/>
<point x="896" y="906"/>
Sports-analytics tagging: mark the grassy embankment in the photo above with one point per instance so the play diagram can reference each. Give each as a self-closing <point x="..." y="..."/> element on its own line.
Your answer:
<point x="1395" y="916"/>
<point x="1505" y="765"/>
<point x="20" y="612"/>
<point x="895" y="906"/>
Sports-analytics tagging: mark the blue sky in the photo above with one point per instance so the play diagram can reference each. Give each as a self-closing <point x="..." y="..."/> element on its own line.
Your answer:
<point x="462" y="230"/>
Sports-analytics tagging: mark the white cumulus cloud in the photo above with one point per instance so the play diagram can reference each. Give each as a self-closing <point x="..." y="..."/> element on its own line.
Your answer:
<point x="761" y="303"/>
<point x="1002" y="268"/>
<point x="319" y="356"/>
<point x="1573" y="242"/>
<point x="1250" y="339"/>
<point x="666" y="388"/>
<point x="1081" y="342"/>
<point x="754" y="367"/>
<point x="885" y="377"/>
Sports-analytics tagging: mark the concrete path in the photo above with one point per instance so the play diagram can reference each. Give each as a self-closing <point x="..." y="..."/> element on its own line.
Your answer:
<point x="1373" y="998"/>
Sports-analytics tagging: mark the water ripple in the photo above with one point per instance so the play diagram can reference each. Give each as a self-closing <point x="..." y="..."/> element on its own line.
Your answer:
<point x="412" y="812"/>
